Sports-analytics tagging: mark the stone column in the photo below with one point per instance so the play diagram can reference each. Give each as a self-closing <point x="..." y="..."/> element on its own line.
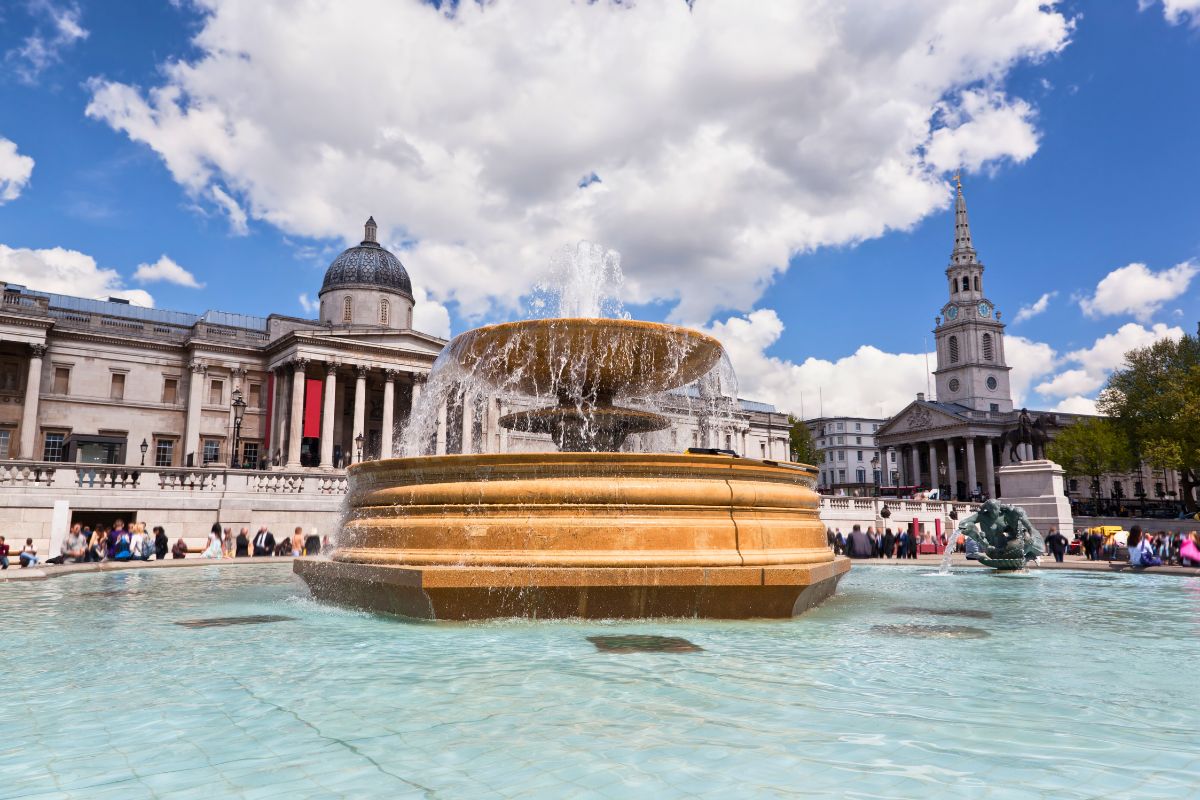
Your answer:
<point x="191" y="435"/>
<point x="952" y="468"/>
<point x="934" y="477"/>
<point x="972" y="476"/>
<point x="915" y="478"/>
<point x="327" y="414"/>
<point x="277" y="416"/>
<point x="33" y="393"/>
<point x="989" y="468"/>
<point x="296" y="426"/>
<point x="360" y="412"/>
<point x="389" y="407"/>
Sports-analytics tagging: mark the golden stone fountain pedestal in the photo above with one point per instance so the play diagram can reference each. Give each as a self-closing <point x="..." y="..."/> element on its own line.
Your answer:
<point x="601" y="535"/>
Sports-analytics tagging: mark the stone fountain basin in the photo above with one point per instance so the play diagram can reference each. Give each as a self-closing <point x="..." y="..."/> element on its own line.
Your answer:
<point x="600" y="357"/>
<point x="580" y="534"/>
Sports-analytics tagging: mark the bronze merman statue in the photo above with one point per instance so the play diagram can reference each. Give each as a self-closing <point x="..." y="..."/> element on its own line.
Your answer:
<point x="1005" y="534"/>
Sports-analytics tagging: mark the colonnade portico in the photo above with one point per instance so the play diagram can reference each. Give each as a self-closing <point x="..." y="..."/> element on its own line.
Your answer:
<point x="371" y="423"/>
<point x="918" y="464"/>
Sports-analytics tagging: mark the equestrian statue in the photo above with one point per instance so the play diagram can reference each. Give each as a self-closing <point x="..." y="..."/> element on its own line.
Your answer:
<point x="1033" y="432"/>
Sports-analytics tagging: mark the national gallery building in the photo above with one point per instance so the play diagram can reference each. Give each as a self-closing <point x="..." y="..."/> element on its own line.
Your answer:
<point x="105" y="382"/>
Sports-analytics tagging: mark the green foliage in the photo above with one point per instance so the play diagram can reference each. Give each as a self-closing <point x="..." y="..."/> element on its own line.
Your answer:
<point x="803" y="449"/>
<point x="1154" y="399"/>
<point x="1090" y="448"/>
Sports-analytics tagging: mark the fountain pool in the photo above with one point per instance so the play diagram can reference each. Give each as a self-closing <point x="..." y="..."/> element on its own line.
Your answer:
<point x="106" y="696"/>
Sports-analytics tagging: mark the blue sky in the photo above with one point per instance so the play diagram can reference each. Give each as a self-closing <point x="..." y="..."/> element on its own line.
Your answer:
<point x="1074" y="125"/>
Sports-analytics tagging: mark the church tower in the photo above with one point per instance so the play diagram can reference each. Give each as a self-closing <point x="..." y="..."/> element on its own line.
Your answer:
<point x="971" y="370"/>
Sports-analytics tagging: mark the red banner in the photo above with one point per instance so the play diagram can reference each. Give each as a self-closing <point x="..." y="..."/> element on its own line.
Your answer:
<point x="312" y="407"/>
<point x="270" y="420"/>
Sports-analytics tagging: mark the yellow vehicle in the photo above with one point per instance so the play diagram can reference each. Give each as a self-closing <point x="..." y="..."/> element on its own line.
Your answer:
<point x="1113" y="534"/>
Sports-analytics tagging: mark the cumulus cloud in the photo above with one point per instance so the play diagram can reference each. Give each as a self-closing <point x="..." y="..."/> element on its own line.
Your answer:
<point x="1038" y="306"/>
<point x="15" y="170"/>
<point x="1077" y="404"/>
<point x="728" y="136"/>
<point x="63" y="271"/>
<point x="310" y="306"/>
<point x="430" y="316"/>
<point x="167" y="271"/>
<point x="1136" y="290"/>
<point x="1177" y="12"/>
<point x="1029" y="360"/>
<point x="237" y="216"/>
<point x="57" y="27"/>
<point x="1089" y="367"/>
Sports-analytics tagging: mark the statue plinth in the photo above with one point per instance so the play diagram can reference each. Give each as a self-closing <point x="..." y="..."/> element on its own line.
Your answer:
<point x="1037" y="486"/>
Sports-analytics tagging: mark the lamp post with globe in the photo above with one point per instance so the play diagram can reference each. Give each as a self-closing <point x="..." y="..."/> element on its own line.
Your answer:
<point x="239" y="412"/>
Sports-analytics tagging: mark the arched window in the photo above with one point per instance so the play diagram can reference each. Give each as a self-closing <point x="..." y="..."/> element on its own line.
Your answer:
<point x="966" y="284"/>
<point x="953" y="349"/>
<point x="410" y="317"/>
<point x="988" y="353"/>
<point x="347" y="309"/>
<point x="953" y="286"/>
<point x="977" y="283"/>
<point x="383" y="312"/>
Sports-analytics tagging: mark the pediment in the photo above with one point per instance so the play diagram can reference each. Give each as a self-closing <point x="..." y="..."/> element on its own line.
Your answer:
<point x="919" y="416"/>
<point x="404" y="340"/>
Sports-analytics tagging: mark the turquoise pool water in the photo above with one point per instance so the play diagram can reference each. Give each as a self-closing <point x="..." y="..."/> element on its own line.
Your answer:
<point x="1078" y="685"/>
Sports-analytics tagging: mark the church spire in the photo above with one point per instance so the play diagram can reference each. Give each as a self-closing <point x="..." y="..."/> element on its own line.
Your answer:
<point x="964" y="250"/>
<point x="369" y="232"/>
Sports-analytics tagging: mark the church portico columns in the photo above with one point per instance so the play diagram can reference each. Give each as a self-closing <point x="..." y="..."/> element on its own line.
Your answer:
<point x="360" y="413"/>
<point x="327" y="414"/>
<point x="191" y="435"/>
<point x="934" y="476"/>
<point x="296" y="419"/>
<point x="915" y="478"/>
<point x="972" y="479"/>
<point x="989" y="468"/>
<point x="389" y="403"/>
<point x="952" y="468"/>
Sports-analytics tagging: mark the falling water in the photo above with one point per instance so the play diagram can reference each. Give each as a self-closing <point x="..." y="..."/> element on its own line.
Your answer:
<point x="566" y="379"/>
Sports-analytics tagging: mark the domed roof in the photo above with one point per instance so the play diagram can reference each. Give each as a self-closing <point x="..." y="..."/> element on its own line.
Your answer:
<point x="367" y="265"/>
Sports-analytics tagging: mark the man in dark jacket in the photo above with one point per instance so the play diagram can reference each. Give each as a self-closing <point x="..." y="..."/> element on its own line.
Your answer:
<point x="1056" y="543"/>
<point x="858" y="544"/>
<point x="264" y="542"/>
<point x="889" y="543"/>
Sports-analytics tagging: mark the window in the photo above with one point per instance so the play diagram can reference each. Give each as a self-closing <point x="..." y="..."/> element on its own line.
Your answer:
<point x="860" y="455"/>
<point x="858" y="426"/>
<point x="1073" y="485"/>
<point x="6" y="442"/>
<point x="841" y="440"/>
<point x="763" y="447"/>
<point x="953" y="286"/>
<point x="858" y="440"/>
<point x="995" y="408"/>
<point x="874" y="428"/>
<point x="383" y="312"/>
<point x="170" y="394"/>
<point x="841" y="476"/>
<point x="250" y="454"/>
<point x="966" y="284"/>
<point x="991" y="382"/>
<point x="860" y="475"/>
<point x="988" y="353"/>
<point x="164" y="452"/>
<point x="840" y="426"/>
<point x="892" y="456"/>
<point x="1139" y="489"/>
<point x="62" y="380"/>
<point x="53" y="449"/>
<point x="728" y="441"/>
<point x="841" y="455"/>
<point x="977" y="283"/>
<point x="216" y="393"/>
<point x="1158" y="487"/>
<point x="212" y="450"/>
<point x="953" y="349"/>
<point x="347" y="309"/>
<point x="1118" y="489"/>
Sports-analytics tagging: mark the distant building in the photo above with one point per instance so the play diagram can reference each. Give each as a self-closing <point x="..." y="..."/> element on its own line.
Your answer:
<point x="848" y="462"/>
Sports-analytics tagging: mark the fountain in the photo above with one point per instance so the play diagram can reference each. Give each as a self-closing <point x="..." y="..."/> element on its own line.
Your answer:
<point x="1005" y="535"/>
<point x="607" y="525"/>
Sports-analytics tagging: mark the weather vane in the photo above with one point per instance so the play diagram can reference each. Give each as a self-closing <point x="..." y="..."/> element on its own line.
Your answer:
<point x="957" y="179"/>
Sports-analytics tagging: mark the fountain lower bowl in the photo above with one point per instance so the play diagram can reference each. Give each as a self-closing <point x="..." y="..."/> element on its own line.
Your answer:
<point x="579" y="535"/>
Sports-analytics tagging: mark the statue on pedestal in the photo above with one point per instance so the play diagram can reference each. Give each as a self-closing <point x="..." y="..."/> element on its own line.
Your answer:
<point x="1005" y="534"/>
<point x="1028" y="431"/>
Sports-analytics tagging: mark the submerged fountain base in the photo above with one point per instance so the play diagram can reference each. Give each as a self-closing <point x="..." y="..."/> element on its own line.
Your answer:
<point x="579" y="535"/>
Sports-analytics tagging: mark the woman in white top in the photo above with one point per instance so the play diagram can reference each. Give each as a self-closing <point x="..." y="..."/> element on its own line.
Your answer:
<point x="214" y="542"/>
<point x="137" y="544"/>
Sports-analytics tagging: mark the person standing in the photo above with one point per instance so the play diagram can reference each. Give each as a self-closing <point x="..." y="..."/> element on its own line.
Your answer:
<point x="912" y="544"/>
<point x="858" y="544"/>
<point x="264" y="542"/>
<point x="297" y="542"/>
<point x="889" y="543"/>
<point x="161" y="543"/>
<point x="1057" y="544"/>
<point x="242" y="549"/>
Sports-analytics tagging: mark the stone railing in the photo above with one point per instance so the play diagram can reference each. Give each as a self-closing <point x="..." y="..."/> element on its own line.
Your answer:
<point x="26" y="475"/>
<point x="96" y="478"/>
<point x="868" y="510"/>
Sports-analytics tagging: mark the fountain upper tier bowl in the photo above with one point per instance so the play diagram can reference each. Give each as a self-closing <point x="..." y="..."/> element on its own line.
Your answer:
<point x="601" y="358"/>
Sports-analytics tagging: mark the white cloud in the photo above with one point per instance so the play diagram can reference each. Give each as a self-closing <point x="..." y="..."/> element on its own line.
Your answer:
<point x="1077" y="404"/>
<point x="167" y="271"/>
<point x="728" y="136"/>
<point x="430" y="316"/>
<point x="1177" y="12"/>
<point x="310" y="306"/>
<point x="237" y="216"/>
<point x="64" y="271"/>
<point x="1091" y="366"/>
<point x="1029" y="361"/>
<point x="15" y="170"/>
<point x="1038" y="306"/>
<point x="869" y="382"/>
<point x="43" y="48"/>
<point x="1134" y="289"/>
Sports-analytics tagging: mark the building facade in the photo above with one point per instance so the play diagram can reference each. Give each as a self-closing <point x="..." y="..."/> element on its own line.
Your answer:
<point x="850" y="463"/>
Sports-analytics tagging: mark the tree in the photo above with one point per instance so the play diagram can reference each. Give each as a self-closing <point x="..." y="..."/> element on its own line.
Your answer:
<point x="803" y="449"/>
<point x="1155" y="401"/>
<point x="1091" y="448"/>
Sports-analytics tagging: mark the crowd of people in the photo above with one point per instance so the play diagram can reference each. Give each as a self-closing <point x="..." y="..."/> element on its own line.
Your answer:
<point x="84" y="545"/>
<point x="875" y="544"/>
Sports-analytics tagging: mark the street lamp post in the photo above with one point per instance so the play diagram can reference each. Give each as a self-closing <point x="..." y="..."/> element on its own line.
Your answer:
<point x="239" y="411"/>
<point x="358" y="443"/>
<point x="941" y="479"/>
<point x="144" y="447"/>
<point x="875" y="472"/>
